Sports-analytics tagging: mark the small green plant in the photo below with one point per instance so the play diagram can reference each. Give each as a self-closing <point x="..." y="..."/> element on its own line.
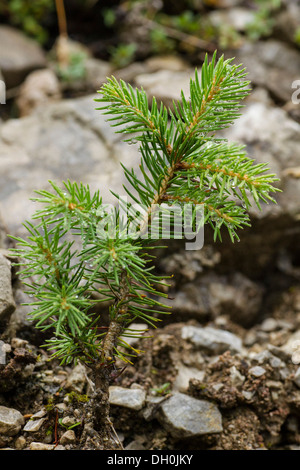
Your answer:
<point x="297" y="37"/>
<point x="160" y="42"/>
<point x="184" y="165"/>
<point x="68" y="427"/>
<point x="263" y="21"/>
<point x="29" y="16"/>
<point x="74" y="69"/>
<point x="123" y="54"/>
<point x="162" y="390"/>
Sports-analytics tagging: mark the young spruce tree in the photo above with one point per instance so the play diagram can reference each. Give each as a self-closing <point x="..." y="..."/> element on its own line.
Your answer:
<point x="182" y="163"/>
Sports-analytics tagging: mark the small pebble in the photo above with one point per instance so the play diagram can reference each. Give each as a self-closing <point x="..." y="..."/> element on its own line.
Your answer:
<point x="41" y="446"/>
<point x="68" y="437"/>
<point x="257" y="371"/>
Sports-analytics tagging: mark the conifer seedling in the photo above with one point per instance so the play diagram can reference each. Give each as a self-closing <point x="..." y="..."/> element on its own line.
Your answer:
<point x="183" y="163"/>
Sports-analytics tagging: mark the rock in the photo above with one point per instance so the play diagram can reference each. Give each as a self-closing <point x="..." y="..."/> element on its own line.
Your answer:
<point x="297" y="377"/>
<point x="184" y="374"/>
<point x="165" y="85"/>
<point x="128" y="398"/>
<point x="19" y="320"/>
<point x="39" y="414"/>
<point x="135" y="445"/>
<point x="269" y="324"/>
<point x="184" y="416"/>
<point x="187" y="265"/>
<point x="39" y="88"/>
<point x="237" y="18"/>
<point x="211" y="339"/>
<point x="257" y="371"/>
<point x="237" y="379"/>
<point x="131" y="71"/>
<point x="239" y="298"/>
<point x="33" y="425"/>
<point x="292" y="347"/>
<point x="97" y="72"/>
<point x="5" y="348"/>
<point x="190" y="301"/>
<point x="5" y="242"/>
<point x="20" y="443"/>
<point x="18" y="343"/>
<point x="68" y="421"/>
<point x="166" y="62"/>
<point x="152" y="406"/>
<point x="7" y="303"/>
<point x="65" y="140"/>
<point x="11" y="421"/>
<point x="271" y="64"/>
<point x="41" y="446"/>
<point x="68" y="437"/>
<point x="19" y="55"/>
<point x="77" y="379"/>
<point x="273" y="138"/>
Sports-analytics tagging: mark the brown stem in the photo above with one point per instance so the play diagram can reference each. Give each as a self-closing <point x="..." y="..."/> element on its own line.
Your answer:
<point x="61" y="17"/>
<point x="103" y="369"/>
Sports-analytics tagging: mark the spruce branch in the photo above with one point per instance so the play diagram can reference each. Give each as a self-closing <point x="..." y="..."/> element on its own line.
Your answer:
<point x="183" y="163"/>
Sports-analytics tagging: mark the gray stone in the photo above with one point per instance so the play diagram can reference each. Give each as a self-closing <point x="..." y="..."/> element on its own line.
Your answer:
<point x="276" y="363"/>
<point x="97" y="72"/>
<point x="39" y="414"/>
<point x="211" y="339"/>
<point x="237" y="18"/>
<point x="7" y="303"/>
<point x="77" y="379"/>
<point x="127" y="397"/>
<point x="20" y="443"/>
<point x="269" y="324"/>
<point x="168" y="62"/>
<point x="184" y="375"/>
<point x="5" y="242"/>
<point x="273" y="138"/>
<point x="165" y="85"/>
<point x="68" y="437"/>
<point x="65" y="140"/>
<point x="184" y="416"/>
<point x="248" y="395"/>
<point x="34" y="425"/>
<point x="39" y="88"/>
<point x="257" y="371"/>
<point x="68" y="421"/>
<point x="237" y="379"/>
<point x="292" y="347"/>
<point x="11" y="421"/>
<point x="271" y="64"/>
<point x="19" y="55"/>
<point x="41" y="446"/>
<point x="238" y="297"/>
<point x="135" y="445"/>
